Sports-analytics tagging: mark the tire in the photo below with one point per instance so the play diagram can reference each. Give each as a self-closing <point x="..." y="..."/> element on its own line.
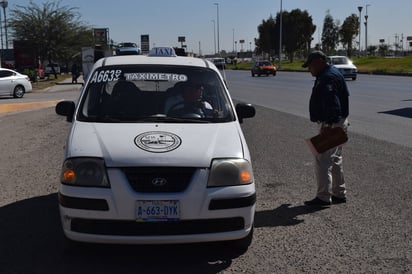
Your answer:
<point x="274" y="73"/>
<point x="353" y="78"/>
<point x="253" y="75"/>
<point x="18" y="92"/>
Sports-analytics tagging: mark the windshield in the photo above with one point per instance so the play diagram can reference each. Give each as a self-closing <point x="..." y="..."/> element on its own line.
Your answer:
<point x="154" y="93"/>
<point x="128" y="45"/>
<point x="339" y="60"/>
<point x="265" y="63"/>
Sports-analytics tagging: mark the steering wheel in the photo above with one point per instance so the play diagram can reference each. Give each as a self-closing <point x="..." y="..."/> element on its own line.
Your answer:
<point x="182" y="108"/>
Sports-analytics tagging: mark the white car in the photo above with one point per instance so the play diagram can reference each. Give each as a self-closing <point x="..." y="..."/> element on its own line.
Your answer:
<point x="13" y="83"/>
<point x="219" y="62"/>
<point x="344" y="65"/>
<point x="142" y="167"/>
<point x="128" y="48"/>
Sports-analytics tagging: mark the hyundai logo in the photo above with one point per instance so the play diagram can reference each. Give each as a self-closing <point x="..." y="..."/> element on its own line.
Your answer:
<point x="159" y="181"/>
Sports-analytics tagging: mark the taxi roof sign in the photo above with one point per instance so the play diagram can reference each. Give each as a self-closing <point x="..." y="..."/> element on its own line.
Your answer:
<point x="163" y="52"/>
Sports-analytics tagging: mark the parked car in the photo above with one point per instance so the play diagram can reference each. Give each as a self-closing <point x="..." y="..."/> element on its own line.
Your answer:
<point x="51" y="69"/>
<point x="13" y="83"/>
<point x="344" y="65"/>
<point x="220" y="63"/>
<point x="128" y="48"/>
<point x="263" y="67"/>
<point x="156" y="155"/>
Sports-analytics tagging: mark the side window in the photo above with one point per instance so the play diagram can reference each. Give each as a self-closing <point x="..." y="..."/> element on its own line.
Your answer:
<point x="5" y="73"/>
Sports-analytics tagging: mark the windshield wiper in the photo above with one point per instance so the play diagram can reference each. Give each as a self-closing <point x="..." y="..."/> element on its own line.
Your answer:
<point x="161" y="118"/>
<point x="112" y="119"/>
<point x="168" y="119"/>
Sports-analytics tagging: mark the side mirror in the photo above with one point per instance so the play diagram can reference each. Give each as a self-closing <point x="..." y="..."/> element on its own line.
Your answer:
<point x="66" y="108"/>
<point x="245" y="111"/>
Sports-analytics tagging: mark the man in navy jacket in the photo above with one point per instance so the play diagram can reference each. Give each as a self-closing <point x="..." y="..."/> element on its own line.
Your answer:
<point x="329" y="107"/>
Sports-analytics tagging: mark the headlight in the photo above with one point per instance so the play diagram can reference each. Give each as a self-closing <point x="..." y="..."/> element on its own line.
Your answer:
<point x="230" y="172"/>
<point x="84" y="172"/>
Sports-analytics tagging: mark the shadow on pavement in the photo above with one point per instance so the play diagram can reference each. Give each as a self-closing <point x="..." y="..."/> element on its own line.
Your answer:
<point x="32" y="241"/>
<point x="403" y="112"/>
<point x="284" y="215"/>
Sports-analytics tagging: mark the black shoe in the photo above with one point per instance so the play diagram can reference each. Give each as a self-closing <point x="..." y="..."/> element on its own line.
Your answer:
<point x="338" y="200"/>
<point x="317" y="202"/>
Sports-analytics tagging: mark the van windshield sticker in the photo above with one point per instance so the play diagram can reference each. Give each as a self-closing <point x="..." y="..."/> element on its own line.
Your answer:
<point x="147" y="76"/>
<point x="114" y="75"/>
<point x="106" y="76"/>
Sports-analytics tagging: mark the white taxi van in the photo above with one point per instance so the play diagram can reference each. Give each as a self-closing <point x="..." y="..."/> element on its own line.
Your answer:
<point x="156" y="155"/>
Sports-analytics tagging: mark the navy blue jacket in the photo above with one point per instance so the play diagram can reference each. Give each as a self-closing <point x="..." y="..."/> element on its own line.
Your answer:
<point x="329" y="101"/>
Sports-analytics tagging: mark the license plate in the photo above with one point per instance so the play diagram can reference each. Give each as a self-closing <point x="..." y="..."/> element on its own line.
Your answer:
<point x="157" y="211"/>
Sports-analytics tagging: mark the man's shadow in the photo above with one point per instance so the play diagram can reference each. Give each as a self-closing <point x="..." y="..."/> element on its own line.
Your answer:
<point x="284" y="215"/>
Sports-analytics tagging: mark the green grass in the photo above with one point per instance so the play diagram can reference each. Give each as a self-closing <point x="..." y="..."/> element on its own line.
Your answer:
<point x="370" y="64"/>
<point x="389" y="65"/>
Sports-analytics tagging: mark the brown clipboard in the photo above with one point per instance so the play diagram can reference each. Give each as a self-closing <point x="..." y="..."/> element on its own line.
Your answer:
<point x="328" y="139"/>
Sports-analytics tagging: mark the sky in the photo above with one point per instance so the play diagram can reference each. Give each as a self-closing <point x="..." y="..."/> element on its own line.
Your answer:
<point x="221" y="24"/>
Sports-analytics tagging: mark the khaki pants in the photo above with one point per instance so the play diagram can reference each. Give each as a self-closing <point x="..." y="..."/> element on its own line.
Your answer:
<point x="329" y="170"/>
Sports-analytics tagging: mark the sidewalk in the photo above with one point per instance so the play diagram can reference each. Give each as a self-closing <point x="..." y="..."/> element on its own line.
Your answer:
<point x="64" y="85"/>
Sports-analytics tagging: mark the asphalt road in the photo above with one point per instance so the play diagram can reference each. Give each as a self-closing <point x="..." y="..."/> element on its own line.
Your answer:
<point x="370" y="234"/>
<point x="380" y="106"/>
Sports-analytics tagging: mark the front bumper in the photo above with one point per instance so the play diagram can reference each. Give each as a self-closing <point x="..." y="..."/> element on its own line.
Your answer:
<point x="265" y="71"/>
<point x="348" y="73"/>
<point x="109" y="215"/>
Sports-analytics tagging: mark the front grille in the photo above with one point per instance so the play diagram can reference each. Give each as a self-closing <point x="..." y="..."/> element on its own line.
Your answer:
<point x="159" y="179"/>
<point x="132" y="228"/>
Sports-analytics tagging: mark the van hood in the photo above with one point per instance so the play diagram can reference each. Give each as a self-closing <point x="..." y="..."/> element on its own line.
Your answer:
<point x="126" y="144"/>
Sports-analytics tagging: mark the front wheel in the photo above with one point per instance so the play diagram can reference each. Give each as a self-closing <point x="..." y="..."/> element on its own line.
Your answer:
<point x="18" y="92"/>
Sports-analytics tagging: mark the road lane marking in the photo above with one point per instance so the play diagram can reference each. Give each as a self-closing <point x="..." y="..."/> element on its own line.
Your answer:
<point x="27" y="106"/>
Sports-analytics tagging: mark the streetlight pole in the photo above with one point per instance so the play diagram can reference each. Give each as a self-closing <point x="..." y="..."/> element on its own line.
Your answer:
<point x="233" y="40"/>
<point x="217" y="15"/>
<point x="360" y="19"/>
<point x="2" y="49"/>
<point x="4" y="4"/>
<point x="366" y="29"/>
<point x="280" y="36"/>
<point x="214" y="33"/>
